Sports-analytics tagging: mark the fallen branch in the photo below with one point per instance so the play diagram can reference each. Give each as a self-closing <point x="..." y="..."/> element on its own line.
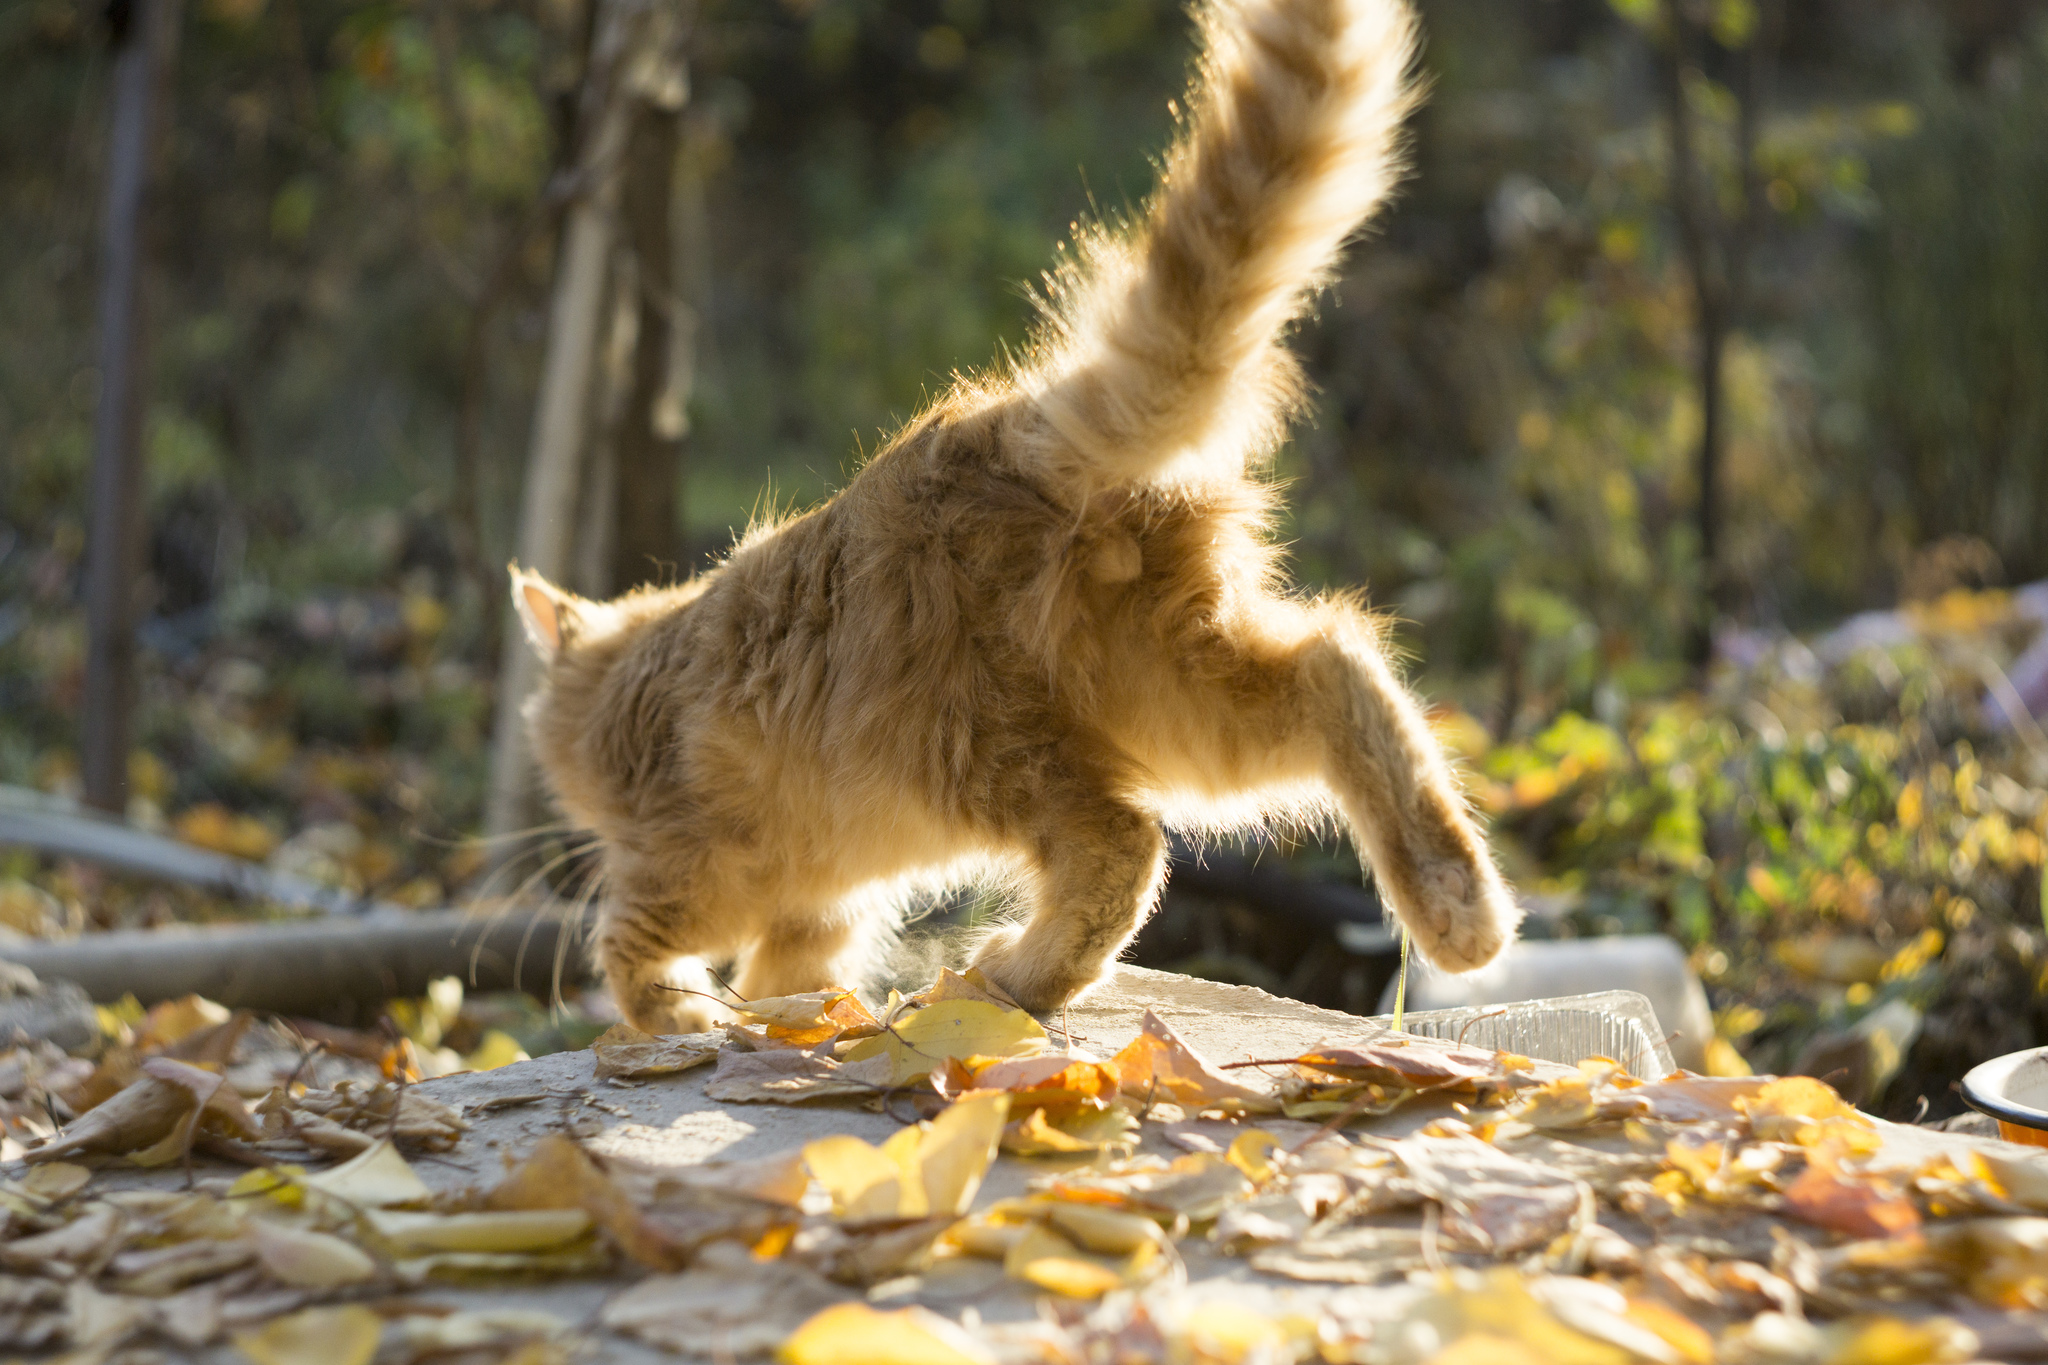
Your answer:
<point x="29" y="819"/>
<point x="308" y="966"/>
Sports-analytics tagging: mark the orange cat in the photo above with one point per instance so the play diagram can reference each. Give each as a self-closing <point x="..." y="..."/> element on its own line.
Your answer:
<point x="1045" y="621"/>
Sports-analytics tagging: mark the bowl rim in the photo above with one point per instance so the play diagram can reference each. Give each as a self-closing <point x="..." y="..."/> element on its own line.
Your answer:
<point x="1984" y="1089"/>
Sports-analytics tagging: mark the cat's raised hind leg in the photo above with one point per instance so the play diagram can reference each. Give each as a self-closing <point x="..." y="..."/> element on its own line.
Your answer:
<point x="1397" y="792"/>
<point x="1097" y="863"/>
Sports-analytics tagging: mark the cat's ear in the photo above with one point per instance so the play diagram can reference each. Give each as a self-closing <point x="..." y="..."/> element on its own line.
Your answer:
<point x="547" y="612"/>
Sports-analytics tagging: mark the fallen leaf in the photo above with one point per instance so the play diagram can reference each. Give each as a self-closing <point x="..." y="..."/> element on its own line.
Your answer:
<point x="1791" y="1108"/>
<point x="86" y="1238"/>
<point x="793" y="1076"/>
<point x="138" y="1118"/>
<point x="1493" y="1203"/>
<point x="1111" y="1232"/>
<point x="497" y="1330"/>
<point x="920" y="1042"/>
<point x="1196" y="1186"/>
<point x="1396" y="1060"/>
<point x="1060" y="1082"/>
<point x="971" y="984"/>
<point x="157" y="1271"/>
<point x="1157" y="1064"/>
<point x="558" y="1174"/>
<point x="1044" y="1258"/>
<point x="504" y="1230"/>
<point x="803" y="1021"/>
<point x="54" y="1181"/>
<point x="728" y="1306"/>
<point x="377" y="1178"/>
<point x="174" y="1020"/>
<point x="1075" y="1134"/>
<point x="855" y="1334"/>
<point x="1859" y="1205"/>
<point x="626" y="1052"/>
<point x="305" y="1259"/>
<point x="315" y="1336"/>
<point x="932" y="1168"/>
<point x="2001" y="1261"/>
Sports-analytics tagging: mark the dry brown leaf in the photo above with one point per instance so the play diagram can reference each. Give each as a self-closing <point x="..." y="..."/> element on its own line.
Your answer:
<point x="728" y="1306"/>
<point x="624" y="1051"/>
<point x="305" y="1259"/>
<point x="1493" y="1203"/>
<point x="1157" y="1064"/>
<point x="1858" y="1204"/>
<point x="793" y="1076"/>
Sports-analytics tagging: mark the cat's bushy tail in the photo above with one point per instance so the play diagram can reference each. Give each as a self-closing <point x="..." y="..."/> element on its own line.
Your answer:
<point x="1160" y="349"/>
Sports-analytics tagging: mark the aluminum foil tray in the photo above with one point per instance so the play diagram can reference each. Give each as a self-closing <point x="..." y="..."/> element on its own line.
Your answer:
<point x="1566" y="1030"/>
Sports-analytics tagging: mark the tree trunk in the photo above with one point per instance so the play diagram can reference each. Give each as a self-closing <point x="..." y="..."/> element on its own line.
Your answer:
<point x="648" y="444"/>
<point x="561" y="412"/>
<point x="145" y="41"/>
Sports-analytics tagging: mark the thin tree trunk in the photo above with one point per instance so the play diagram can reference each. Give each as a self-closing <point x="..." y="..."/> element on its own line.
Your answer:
<point x="146" y="38"/>
<point x="1717" y="254"/>
<point x="561" y="413"/>
<point x="648" y="445"/>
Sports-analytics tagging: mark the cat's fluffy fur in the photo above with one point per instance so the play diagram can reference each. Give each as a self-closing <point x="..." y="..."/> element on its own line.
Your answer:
<point x="1045" y="620"/>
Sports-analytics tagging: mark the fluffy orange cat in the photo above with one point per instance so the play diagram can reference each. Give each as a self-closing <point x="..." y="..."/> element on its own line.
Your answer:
<point x="1045" y="622"/>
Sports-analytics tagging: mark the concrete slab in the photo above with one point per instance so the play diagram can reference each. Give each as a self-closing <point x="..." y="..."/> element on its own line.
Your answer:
<point x="671" y="1123"/>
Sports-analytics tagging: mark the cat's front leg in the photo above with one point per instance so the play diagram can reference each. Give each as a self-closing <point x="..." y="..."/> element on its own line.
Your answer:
<point x="652" y="957"/>
<point x="1097" y="868"/>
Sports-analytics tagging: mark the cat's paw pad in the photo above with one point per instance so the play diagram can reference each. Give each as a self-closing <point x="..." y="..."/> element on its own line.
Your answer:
<point x="1461" y="917"/>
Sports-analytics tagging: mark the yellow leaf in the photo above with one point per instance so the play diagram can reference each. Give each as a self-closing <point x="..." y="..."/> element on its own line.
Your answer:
<point x="1109" y="1231"/>
<point x="1230" y="1333"/>
<point x="855" y="1334"/>
<point x="1034" y="1135"/>
<point x="1252" y="1153"/>
<point x="412" y="1234"/>
<point x="952" y="1028"/>
<point x="957" y="1149"/>
<point x="1891" y="1341"/>
<point x="1694" y="1344"/>
<point x="1048" y="1260"/>
<point x="496" y="1049"/>
<point x="864" y="1182"/>
<point x="932" y="1168"/>
<point x="1791" y="1108"/>
<point x="315" y="1336"/>
<point x="283" y="1184"/>
<point x="375" y="1178"/>
<point x="1483" y="1348"/>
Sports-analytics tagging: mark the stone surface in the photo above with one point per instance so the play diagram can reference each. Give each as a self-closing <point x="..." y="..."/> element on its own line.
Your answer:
<point x="670" y="1122"/>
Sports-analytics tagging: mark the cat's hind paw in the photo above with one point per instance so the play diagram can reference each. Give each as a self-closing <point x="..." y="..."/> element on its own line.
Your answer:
<point x="1461" y="916"/>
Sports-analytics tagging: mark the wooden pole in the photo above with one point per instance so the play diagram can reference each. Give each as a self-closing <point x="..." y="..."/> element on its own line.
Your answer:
<point x="145" y="35"/>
